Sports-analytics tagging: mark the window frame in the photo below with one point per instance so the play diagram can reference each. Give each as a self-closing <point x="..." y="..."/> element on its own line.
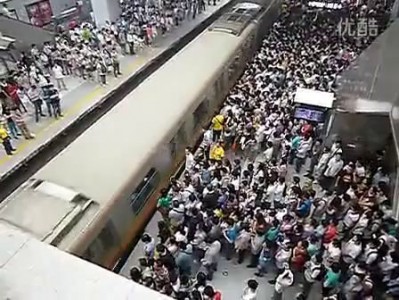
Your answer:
<point x="143" y="191"/>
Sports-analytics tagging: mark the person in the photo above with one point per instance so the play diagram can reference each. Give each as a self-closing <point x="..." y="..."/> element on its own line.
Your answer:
<point x="331" y="279"/>
<point x="11" y="90"/>
<point x="250" y="290"/>
<point x="176" y="214"/>
<point x="185" y="259"/>
<point x="135" y="275"/>
<point x="322" y="163"/>
<point x="20" y="122"/>
<point x="284" y="280"/>
<point x="334" y="166"/>
<point x="6" y="141"/>
<point x="164" y="203"/>
<point x="264" y="262"/>
<point x="313" y="272"/>
<point x="217" y="127"/>
<point x="59" y="77"/>
<point x="189" y="159"/>
<point x="217" y="152"/>
<point x="149" y="245"/>
<point x="116" y="63"/>
<point x="11" y="125"/>
<point x="230" y="235"/>
<point x="130" y="42"/>
<point x="102" y="72"/>
<point x="302" y="151"/>
<point x="211" y="294"/>
<point x="52" y="99"/>
<point x="316" y="152"/>
<point x="211" y="257"/>
<point x="35" y="96"/>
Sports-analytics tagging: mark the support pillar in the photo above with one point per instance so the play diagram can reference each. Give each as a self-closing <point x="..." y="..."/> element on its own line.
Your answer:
<point x="105" y="10"/>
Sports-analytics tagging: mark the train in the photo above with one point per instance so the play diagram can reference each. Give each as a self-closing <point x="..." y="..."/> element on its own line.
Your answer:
<point x="96" y="196"/>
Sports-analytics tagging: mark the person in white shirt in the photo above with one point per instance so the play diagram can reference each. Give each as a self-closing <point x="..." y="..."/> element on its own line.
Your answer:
<point x="334" y="166"/>
<point x="149" y="245"/>
<point x="333" y="253"/>
<point x="130" y="41"/>
<point x="284" y="280"/>
<point x="323" y="160"/>
<point x="301" y="153"/>
<point x="351" y="217"/>
<point x="352" y="249"/>
<point x="268" y="154"/>
<point x="59" y="77"/>
<point x="370" y="253"/>
<point x="313" y="270"/>
<point x="250" y="290"/>
<point x="190" y="162"/>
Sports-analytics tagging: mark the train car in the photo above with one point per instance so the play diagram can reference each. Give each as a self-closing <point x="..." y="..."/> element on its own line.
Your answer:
<point x="95" y="197"/>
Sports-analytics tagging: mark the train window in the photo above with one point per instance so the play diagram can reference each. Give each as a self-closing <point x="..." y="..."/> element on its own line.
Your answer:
<point x="144" y="190"/>
<point x="200" y="113"/>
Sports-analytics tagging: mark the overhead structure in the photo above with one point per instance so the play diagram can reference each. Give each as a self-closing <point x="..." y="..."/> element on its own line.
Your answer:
<point x="30" y="269"/>
<point x="367" y="102"/>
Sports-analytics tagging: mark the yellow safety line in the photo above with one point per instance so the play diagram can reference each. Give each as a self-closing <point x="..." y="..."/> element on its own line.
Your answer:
<point x="138" y="62"/>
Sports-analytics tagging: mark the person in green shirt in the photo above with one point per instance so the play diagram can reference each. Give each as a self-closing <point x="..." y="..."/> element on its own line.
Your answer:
<point x="313" y="247"/>
<point x="331" y="280"/>
<point x="164" y="203"/>
<point x="272" y="233"/>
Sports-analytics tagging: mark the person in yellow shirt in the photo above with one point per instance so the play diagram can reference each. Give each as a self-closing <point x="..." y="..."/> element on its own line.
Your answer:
<point x="217" y="127"/>
<point x="217" y="152"/>
<point x="6" y="141"/>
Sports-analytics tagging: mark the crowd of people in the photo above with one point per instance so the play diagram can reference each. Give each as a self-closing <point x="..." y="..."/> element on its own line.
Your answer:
<point x="85" y="51"/>
<point x="263" y="187"/>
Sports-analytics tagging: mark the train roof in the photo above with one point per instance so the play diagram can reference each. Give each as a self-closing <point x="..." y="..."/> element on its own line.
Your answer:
<point x="239" y="16"/>
<point x="99" y="163"/>
<point x="34" y="270"/>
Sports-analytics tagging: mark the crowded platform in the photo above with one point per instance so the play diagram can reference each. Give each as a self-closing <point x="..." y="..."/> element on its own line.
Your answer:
<point x="265" y="191"/>
<point x="83" y="51"/>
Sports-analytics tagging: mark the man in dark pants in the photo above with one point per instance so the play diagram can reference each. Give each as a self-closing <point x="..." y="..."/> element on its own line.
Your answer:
<point x="130" y="42"/>
<point x="34" y="96"/>
<point x="115" y="63"/>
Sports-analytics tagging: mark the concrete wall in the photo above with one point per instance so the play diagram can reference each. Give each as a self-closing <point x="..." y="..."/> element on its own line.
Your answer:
<point x="24" y="33"/>
<point x="105" y="10"/>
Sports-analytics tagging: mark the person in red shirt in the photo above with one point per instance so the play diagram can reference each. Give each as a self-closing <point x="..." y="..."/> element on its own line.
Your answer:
<point x="307" y="129"/>
<point x="11" y="90"/>
<point x="211" y="294"/>
<point x="331" y="232"/>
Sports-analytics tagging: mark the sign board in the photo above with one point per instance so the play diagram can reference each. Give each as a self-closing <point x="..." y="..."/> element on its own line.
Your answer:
<point x="39" y="13"/>
<point x="325" y="5"/>
<point x="314" y="98"/>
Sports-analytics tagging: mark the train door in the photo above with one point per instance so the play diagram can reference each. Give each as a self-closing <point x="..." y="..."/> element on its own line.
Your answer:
<point x="105" y="243"/>
<point x="178" y="144"/>
<point x="200" y="115"/>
